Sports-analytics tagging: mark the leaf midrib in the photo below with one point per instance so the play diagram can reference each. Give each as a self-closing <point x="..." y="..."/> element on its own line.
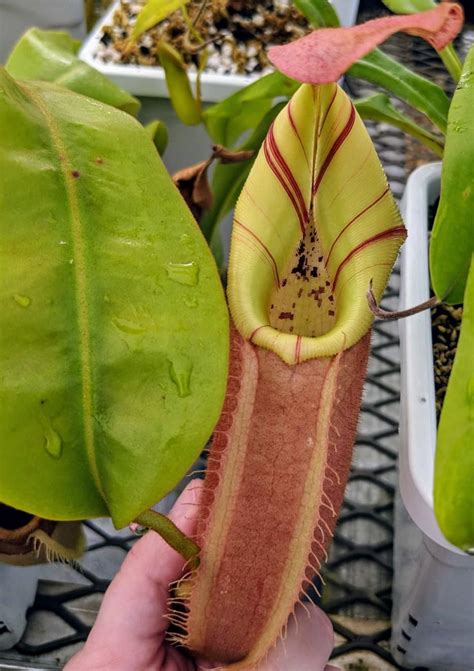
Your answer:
<point x="80" y="283"/>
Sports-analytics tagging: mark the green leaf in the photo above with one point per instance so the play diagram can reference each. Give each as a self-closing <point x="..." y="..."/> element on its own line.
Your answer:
<point x="158" y="132"/>
<point x="52" y="56"/>
<point x="409" y="6"/>
<point x="227" y="130"/>
<point x="244" y="110"/>
<point x="187" y="108"/>
<point x="420" y="93"/>
<point x="227" y="183"/>
<point x="153" y="12"/>
<point x="451" y="61"/>
<point x="320" y="13"/>
<point x="113" y="322"/>
<point x="379" y="108"/>
<point x="454" y="468"/>
<point x="452" y="240"/>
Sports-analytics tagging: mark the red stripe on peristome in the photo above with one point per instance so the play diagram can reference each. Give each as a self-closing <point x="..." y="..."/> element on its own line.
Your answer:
<point x="288" y="174"/>
<point x="332" y="152"/>
<point x="282" y="181"/>
<point x="366" y="209"/>
<point x="252" y="245"/>
<point x="398" y="231"/>
<point x="326" y="114"/>
<point x="296" y="132"/>
<point x="268" y="253"/>
<point x="298" y="349"/>
<point x="374" y="265"/>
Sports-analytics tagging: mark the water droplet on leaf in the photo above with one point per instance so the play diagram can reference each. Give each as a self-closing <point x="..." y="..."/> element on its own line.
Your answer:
<point x="180" y="372"/>
<point x="184" y="273"/>
<point x="53" y="443"/>
<point x="191" y="302"/>
<point x="128" y="326"/>
<point x="22" y="301"/>
<point x="187" y="242"/>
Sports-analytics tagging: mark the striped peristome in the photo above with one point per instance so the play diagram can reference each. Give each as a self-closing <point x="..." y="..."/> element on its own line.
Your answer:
<point x="314" y="224"/>
<point x="316" y="183"/>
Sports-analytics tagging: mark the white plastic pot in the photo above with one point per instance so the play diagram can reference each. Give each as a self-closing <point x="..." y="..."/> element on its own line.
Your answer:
<point x="16" y="16"/>
<point x="187" y="145"/>
<point x="433" y="588"/>
<point x="150" y="81"/>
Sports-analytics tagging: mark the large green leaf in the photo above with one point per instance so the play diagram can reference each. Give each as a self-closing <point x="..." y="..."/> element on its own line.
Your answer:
<point x="452" y="241"/>
<point x="228" y="119"/>
<point x="320" y="13"/>
<point x="114" y="328"/>
<point x="454" y="472"/>
<point x="422" y="94"/>
<point x="379" y="107"/>
<point x="52" y="56"/>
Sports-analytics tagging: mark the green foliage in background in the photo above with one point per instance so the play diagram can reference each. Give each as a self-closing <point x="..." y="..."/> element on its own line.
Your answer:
<point x="452" y="241"/>
<point x="51" y="56"/>
<point x="454" y="467"/>
<point x="153" y="12"/>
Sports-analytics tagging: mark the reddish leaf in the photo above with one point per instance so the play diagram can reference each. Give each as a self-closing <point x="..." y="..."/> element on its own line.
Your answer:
<point x="229" y="156"/>
<point x="193" y="181"/>
<point x="325" y="54"/>
<point x="194" y="187"/>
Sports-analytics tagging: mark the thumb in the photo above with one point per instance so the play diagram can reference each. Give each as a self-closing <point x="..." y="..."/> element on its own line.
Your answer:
<point x="308" y="644"/>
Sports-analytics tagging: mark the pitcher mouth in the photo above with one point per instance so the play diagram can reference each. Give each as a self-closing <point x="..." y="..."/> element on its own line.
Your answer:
<point x="315" y="223"/>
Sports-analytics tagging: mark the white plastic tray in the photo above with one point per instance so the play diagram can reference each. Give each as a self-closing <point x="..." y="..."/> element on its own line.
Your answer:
<point x="150" y="81"/>
<point x="417" y="413"/>
<point x="433" y="584"/>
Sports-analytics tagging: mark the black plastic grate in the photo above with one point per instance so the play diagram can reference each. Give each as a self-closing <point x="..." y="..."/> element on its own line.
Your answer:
<point x="358" y="574"/>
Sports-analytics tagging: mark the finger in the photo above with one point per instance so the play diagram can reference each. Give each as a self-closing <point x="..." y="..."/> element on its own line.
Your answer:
<point x="308" y="644"/>
<point x="136" y="600"/>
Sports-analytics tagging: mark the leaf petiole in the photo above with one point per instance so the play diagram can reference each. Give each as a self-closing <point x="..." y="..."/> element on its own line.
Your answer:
<point x="451" y="61"/>
<point x="171" y="534"/>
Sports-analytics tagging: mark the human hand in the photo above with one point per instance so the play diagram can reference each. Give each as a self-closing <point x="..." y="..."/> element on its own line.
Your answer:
<point x="130" y="631"/>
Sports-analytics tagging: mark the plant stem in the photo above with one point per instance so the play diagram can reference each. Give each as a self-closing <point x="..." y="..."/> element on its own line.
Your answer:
<point x="451" y="61"/>
<point x="190" y="25"/>
<point x="171" y="534"/>
<point x="199" y="13"/>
